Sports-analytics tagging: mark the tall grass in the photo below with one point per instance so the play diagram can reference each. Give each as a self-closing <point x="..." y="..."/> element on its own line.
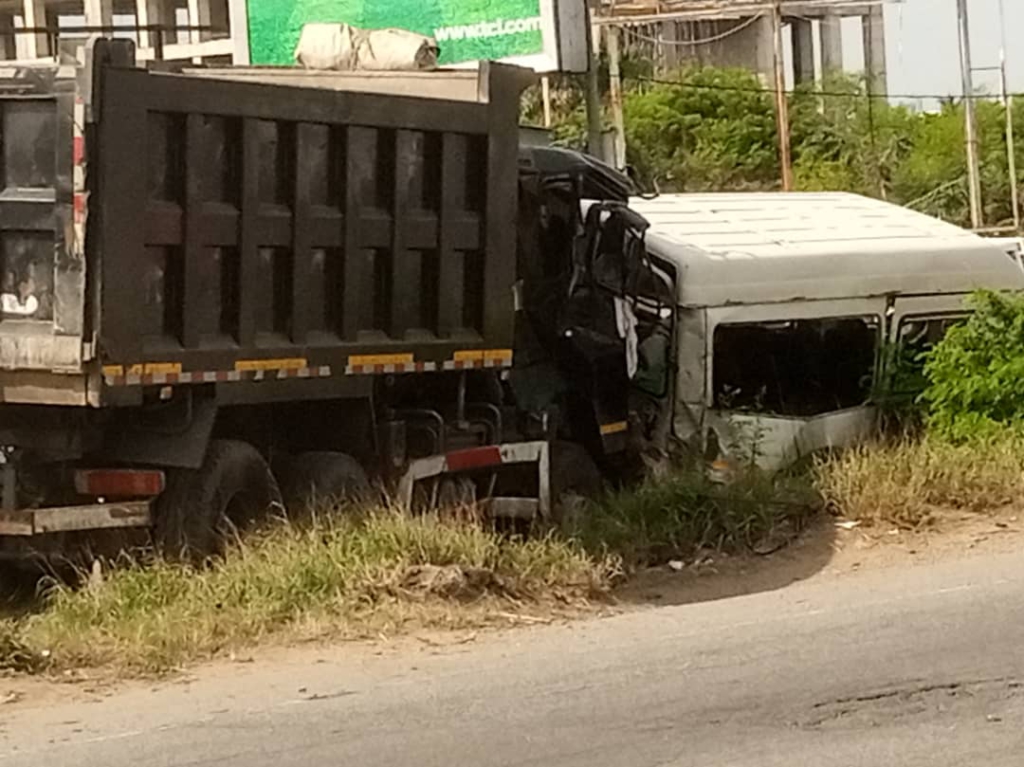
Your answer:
<point x="350" y="576"/>
<point x="680" y="514"/>
<point x="358" y="574"/>
<point x="909" y="482"/>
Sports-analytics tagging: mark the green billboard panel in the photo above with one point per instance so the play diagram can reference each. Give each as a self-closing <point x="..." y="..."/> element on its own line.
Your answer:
<point x="465" y="30"/>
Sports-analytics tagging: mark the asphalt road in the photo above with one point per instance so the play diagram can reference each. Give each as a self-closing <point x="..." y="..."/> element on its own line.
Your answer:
<point x="904" y="666"/>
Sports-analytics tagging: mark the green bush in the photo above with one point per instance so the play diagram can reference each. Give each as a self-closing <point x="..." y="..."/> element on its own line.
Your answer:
<point x="688" y="138"/>
<point x="974" y="374"/>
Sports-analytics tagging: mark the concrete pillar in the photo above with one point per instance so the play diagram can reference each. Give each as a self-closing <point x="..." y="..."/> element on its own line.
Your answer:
<point x="802" y="33"/>
<point x="239" y="25"/>
<point x="151" y="13"/>
<point x="764" y="54"/>
<point x="208" y="13"/>
<point x="99" y="13"/>
<point x="831" y="32"/>
<point x="670" y="48"/>
<point x="752" y="47"/>
<point x="34" y="46"/>
<point x="8" y="47"/>
<point x="873" y="29"/>
<point x="211" y="13"/>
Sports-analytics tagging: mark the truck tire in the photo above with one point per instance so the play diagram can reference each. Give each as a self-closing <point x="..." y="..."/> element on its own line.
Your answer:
<point x="325" y="476"/>
<point x="575" y="479"/>
<point x="202" y="509"/>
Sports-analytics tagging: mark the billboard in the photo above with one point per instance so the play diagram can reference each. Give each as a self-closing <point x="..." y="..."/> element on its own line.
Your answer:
<point x="546" y="35"/>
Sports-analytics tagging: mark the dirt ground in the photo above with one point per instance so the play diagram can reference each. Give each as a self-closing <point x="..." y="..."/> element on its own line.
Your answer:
<point x="828" y="550"/>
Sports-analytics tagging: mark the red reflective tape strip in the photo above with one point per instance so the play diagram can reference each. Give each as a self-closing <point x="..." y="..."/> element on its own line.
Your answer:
<point x="79" y="202"/>
<point x="473" y="458"/>
<point x="79" y="150"/>
<point x="119" y="483"/>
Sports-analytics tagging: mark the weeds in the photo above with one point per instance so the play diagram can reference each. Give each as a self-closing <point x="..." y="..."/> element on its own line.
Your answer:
<point x="15" y="653"/>
<point x="345" y="577"/>
<point x="355" y="574"/>
<point x="684" y="512"/>
<point x="908" y="483"/>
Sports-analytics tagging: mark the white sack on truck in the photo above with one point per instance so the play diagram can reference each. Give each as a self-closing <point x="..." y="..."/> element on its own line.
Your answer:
<point x="348" y="48"/>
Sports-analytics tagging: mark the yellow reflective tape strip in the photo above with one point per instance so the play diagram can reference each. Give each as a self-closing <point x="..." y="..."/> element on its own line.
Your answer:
<point x="380" y="359"/>
<point x="613" y="428"/>
<point x="476" y="355"/>
<point x="161" y="368"/>
<point x="113" y="370"/>
<point x="275" y="364"/>
<point x="151" y="368"/>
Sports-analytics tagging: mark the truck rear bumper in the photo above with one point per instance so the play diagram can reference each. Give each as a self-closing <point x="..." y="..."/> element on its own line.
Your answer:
<point x="63" y="519"/>
<point x="491" y="457"/>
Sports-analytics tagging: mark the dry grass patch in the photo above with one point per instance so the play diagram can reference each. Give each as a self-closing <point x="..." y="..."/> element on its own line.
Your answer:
<point x="352" y="576"/>
<point x="909" y="483"/>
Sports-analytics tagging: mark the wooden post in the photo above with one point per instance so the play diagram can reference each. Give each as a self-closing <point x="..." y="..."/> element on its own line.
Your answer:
<point x="1011" y="157"/>
<point x="593" y="93"/>
<point x="970" y="126"/>
<point x="545" y="94"/>
<point x="615" y="91"/>
<point x="781" y="107"/>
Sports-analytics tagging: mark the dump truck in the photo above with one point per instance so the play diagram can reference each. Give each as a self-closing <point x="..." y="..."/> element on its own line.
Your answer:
<point x="227" y="291"/>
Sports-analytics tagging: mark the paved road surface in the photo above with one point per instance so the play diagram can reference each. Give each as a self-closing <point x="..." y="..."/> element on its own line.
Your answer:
<point x="905" y="666"/>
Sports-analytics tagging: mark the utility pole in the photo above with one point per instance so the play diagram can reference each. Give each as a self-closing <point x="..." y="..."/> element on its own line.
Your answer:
<point x="615" y="90"/>
<point x="970" y="126"/>
<point x="1011" y="160"/>
<point x="595" y="139"/>
<point x="781" y="107"/>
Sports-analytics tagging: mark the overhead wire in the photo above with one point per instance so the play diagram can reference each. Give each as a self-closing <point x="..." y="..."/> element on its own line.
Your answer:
<point x="687" y="43"/>
<point x="767" y="89"/>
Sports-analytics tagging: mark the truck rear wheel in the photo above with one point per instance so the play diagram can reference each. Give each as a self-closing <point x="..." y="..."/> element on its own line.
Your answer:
<point x="202" y="509"/>
<point x="575" y="480"/>
<point x="325" y="476"/>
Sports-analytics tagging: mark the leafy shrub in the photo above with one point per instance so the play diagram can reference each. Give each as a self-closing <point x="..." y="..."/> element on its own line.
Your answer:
<point x="974" y="374"/>
<point x="688" y="137"/>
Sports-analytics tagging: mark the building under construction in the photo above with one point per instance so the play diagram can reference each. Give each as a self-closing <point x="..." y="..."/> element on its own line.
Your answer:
<point x="169" y="29"/>
<point x="736" y="33"/>
<point x="741" y="33"/>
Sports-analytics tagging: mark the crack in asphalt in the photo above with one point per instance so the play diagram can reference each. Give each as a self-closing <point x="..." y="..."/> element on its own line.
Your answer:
<point x="913" y="700"/>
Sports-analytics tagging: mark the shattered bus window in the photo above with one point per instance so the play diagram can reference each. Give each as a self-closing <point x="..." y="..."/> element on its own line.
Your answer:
<point x="919" y="334"/>
<point x="795" y="368"/>
<point x="916" y="336"/>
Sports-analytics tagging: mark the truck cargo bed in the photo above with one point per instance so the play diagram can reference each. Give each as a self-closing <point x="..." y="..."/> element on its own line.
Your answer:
<point x="242" y="231"/>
